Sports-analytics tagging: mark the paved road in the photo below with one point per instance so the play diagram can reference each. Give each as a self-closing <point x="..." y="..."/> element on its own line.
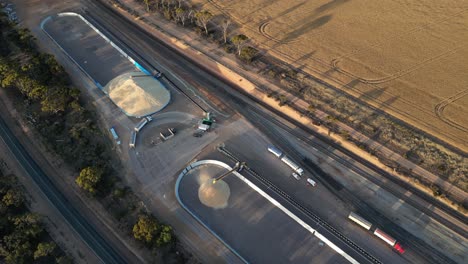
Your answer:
<point x="87" y="232"/>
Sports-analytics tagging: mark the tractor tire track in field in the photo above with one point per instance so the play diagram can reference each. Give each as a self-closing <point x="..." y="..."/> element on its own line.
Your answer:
<point x="440" y="107"/>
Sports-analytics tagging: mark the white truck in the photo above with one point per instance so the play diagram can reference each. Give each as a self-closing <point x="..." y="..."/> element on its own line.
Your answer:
<point x="279" y="154"/>
<point x="275" y="151"/>
<point x="142" y="123"/>
<point x="292" y="165"/>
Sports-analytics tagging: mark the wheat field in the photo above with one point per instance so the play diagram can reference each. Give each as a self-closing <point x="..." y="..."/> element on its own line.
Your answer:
<point x="407" y="57"/>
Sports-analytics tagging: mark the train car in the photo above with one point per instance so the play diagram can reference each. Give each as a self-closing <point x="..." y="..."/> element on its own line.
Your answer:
<point x="360" y="221"/>
<point x="389" y="240"/>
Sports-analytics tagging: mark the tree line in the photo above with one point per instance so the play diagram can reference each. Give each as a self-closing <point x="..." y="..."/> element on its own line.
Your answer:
<point x="204" y="22"/>
<point x="23" y="238"/>
<point x="43" y="94"/>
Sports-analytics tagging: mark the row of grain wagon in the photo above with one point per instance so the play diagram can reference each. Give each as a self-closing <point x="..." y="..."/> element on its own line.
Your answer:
<point x="377" y="232"/>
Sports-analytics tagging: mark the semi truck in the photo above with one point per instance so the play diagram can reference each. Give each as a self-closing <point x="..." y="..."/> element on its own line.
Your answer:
<point x="360" y="221"/>
<point x="142" y="123"/>
<point x="279" y="154"/>
<point x="292" y="165"/>
<point x="389" y="240"/>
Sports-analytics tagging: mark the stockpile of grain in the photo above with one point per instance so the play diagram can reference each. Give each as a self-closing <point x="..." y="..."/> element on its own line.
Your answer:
<point x="137" y="94"/>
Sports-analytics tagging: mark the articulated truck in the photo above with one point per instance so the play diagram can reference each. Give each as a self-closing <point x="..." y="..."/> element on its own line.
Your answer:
<point x="279" y="154"/>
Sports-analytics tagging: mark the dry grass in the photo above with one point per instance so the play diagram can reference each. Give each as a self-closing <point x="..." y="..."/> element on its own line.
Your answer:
<point x="406" y="57"/>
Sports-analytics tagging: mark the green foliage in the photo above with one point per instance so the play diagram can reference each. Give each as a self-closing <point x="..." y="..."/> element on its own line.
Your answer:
<point x="203" y="17"/>
<point x="146" y="229"/>
<point x="13" y="197"/>
<point x="247" y="54"/>
<point x="165" y="236"/>
<point x="239" y="41"/>
<point x="44" y="249"/>
<point x="89" y="178"/>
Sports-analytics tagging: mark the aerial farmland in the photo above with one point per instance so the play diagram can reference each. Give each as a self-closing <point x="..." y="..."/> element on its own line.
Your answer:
<point x="408" y="58"/>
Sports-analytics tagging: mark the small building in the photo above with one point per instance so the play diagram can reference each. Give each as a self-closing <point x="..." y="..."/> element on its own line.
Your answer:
<point x="167" y="135"/>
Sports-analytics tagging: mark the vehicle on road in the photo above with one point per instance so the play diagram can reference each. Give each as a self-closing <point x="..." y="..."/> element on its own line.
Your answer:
<point x="292" y="164"/>
<point x="114" y="135"/>
<point x="132" y="139"/>
<point x="389" y="240"/>
<point x="296" y="176"/>
<point x="143" y="123"/>
<point x="279" y="154"/>
<point x="360" y="221"/>
<point x="275" y="151"/>
<point x="311" y="182"/>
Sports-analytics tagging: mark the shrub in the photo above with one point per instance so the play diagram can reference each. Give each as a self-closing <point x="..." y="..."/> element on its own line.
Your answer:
<point x="248" y="54"/>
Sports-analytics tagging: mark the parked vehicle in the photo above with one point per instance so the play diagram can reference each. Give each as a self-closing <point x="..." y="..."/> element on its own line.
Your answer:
<point x="389" y="240"/>
<point x="296" y="176"/>
<point x="279" y="154"/>
<point x="292" y="164"/>
<point x="275" y="151"/>
<point x="132" y="139"/>
<point x="311" y="182"/>
<point x="360" y="221"/>
<point x="114" y="135"/>
<point x="143" y="123"/>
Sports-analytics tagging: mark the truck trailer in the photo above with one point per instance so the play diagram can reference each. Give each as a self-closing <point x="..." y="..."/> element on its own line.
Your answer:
<point x="360" y="221"/>
<point x="292" y="164"/>
<point x="389" y="240"/>
<point x="132" y="139"/>
<point x="275" y="151"/>
<point x="141" y="124"/>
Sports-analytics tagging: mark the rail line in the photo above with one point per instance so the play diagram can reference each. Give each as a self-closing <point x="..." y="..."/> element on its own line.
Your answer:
<point x="303" y="209"/>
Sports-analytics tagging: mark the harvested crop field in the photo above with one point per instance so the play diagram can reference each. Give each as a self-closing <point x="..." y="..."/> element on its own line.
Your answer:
<point x="406" y="57"/>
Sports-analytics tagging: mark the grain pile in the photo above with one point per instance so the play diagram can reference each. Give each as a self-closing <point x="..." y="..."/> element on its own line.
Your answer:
<point x="212" y="195"/>
<point x="137" y="94"/>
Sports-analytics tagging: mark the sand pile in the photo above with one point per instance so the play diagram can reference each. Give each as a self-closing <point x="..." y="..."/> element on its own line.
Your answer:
<point x="137" y="94"/>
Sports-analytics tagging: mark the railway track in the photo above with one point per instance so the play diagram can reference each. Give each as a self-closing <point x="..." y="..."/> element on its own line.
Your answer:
<point x="423" y="249"/>
<point x="304" y="210"/>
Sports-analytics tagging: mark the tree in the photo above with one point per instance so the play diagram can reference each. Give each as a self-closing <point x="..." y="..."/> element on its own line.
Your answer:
<point x="181" y="15"/>
<point x="29" y="225"/>
<point x="239" y="41"/>
<point x="225" y="26"/>
<point x="13" y="197"/>
<point x="165" y="236"/>
<point x="248" y="54"/>
<point x="203" y="17"/>
<point x="89" y="178"/>
<point x="180" y="3"/>
<point x="44" y="249"/>
<point x="145" y="229"/>
<point x="147" y="3"/>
